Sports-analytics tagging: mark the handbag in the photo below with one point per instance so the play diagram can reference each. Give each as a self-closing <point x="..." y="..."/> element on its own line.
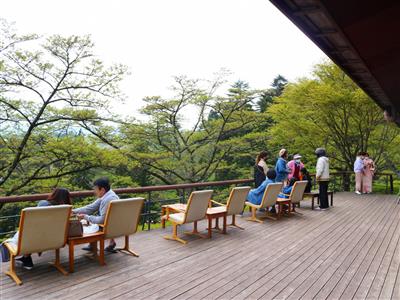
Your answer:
<point x="75" y="228"/>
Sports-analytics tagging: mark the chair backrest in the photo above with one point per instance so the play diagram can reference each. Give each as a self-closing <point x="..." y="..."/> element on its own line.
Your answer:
<point x="298" y="191"/>
<point x="197" y="205"/>
<point x="236" y="200"/>
<point x="43" y="228"/>
<point x="271" y="194"/>
<point x="122" y="218"/>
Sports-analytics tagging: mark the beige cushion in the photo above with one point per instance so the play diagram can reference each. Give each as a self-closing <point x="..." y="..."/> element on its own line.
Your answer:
<point x="43" y="228"/>
<point x="122" y="217"/>
<point x="237" y="199"/>
<point x="178" y="218"/>
<point x="298" y="191"/>
<point x="252" y="204"/>
<point x="216" y="210"/>
<point x="271" y="194"/>
<point x="197" y="205"/>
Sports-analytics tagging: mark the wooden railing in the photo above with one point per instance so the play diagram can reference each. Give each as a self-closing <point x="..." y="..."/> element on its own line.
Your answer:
<point x="152" y="204"/>
<point x="135" y="190"/>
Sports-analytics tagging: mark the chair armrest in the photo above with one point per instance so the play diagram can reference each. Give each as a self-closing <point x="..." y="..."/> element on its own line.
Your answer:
<point x="217" y="203"/>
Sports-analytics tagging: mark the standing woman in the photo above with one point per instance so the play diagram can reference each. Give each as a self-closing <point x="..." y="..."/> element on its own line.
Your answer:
<point x="281" y="168"/>
<point x="358" y="172"/>
<point x="368" y="174"/>
<point x="260" y="169"/>
<point x="322" y="176"/>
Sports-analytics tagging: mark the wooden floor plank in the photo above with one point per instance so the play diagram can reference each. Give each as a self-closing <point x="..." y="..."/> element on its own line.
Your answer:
<point x="349" y="251"/>
<point x="273" y="274"/>
<point x="332" y="270"/>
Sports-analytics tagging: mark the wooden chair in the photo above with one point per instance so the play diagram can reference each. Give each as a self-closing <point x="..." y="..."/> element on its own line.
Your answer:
<point x="296" y="195"/>
<point x="235" y="203"/>
<point x="122" y="219"/>
<point x="40" y="229"/>
<point x="268" y="200"/>
<point x="196" y="210"/>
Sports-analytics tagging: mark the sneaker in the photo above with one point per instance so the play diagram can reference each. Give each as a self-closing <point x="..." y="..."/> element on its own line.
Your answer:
<point x="358" y="193"/>
<point x="88" y="248"/>
<point x="111" y="248"/>
<point x="26" y="261"/>
<point x="320" y="209"/>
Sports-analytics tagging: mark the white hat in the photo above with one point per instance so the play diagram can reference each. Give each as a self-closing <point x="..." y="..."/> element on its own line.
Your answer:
<point x="281" y="152"/>
<point x="296" y="156"/>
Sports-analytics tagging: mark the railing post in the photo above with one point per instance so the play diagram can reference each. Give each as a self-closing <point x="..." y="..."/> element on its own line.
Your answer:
<point x="386" y="184"/>
<point x="149" y="211"/>
<point x="391" y="184"/>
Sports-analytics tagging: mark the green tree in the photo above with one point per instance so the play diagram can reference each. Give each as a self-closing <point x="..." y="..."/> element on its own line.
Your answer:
<point x="330" y="111"/>
<point x="171" y="151"/>
<point x="52" y="93"/>
<point x="267" y="96"/>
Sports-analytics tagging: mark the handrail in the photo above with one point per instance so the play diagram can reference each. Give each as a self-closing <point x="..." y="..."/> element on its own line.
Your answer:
<point x="146" y="189"/>
<point x="138" y="190"/>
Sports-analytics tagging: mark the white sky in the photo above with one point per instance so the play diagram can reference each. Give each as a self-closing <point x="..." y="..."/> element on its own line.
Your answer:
<point x="158" y="39"/>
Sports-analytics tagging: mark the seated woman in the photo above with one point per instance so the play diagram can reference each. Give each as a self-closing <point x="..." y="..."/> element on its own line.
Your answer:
<point x="255" y="195"/>
<point x="287" y="189"/>
<point x="58" y="196"/>
<point x="305" y="175"/>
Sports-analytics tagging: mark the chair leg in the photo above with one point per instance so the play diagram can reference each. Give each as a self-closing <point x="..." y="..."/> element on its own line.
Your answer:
<point x="11" y="271"/>
<point x="234" y="223"/>
<point x="126" y="247"/>
<point x="101" y="250"/>
<point x="195" y="231"/>
<point x="57" y="264"/>
<point x="174" y="235"/>
<point x="253" y="217"/>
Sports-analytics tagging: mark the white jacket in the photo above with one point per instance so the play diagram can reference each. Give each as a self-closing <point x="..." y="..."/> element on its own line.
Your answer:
<point x="322" y="173"/>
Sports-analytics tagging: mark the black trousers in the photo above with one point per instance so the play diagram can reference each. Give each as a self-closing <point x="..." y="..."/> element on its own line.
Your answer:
<point x="323" y="194"/>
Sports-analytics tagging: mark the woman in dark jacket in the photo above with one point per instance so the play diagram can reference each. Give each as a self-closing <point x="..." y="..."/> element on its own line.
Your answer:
<point x="260" y="169"/>
<point x="305" y="175"/>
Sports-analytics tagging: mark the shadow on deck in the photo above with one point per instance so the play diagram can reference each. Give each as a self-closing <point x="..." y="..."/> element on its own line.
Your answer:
<point x="349" y="251"/>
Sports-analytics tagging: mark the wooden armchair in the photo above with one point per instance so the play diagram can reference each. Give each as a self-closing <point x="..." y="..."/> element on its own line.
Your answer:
<point x="295" y="196"/>
<point x="269" y="199"/>
<point x="40" y="229"/>
<point x="122" y="219"/>
<point x="235" y="203"/>
<point x="196" y="210"/>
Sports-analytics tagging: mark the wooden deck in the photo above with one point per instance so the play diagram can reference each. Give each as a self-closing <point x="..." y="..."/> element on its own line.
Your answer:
<point x="351" y="251"/>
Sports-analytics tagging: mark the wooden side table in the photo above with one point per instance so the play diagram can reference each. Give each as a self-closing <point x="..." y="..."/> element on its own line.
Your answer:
<point x="92" y="239"/>
<point x="281" y="202"/>
<point x="172" y="208"/>
<point x="215" y="213"/>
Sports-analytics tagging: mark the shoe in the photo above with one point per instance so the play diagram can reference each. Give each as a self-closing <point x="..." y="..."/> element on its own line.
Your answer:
<point x="111" y="248"/>
<point x="358" y="193"/>
<point x="87" y="248"/>
<point x="320" y="209"/>
<point x="26" y="261"/>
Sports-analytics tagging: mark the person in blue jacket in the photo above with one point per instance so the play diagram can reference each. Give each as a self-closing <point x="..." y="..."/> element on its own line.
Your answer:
<point x="282" y="171"/>
<point x="255" y="195"/>
<point x="287" y="189"/>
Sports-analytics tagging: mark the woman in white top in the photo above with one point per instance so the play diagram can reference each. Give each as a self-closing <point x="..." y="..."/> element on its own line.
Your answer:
<point x="260" y="168"/>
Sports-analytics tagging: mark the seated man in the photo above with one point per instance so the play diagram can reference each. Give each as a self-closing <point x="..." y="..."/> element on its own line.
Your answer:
<point x="104" y="194"/>
<point x="255" y="195"/>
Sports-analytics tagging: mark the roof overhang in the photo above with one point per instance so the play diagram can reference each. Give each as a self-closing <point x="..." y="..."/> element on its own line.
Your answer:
<point x="361" y="37"/>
